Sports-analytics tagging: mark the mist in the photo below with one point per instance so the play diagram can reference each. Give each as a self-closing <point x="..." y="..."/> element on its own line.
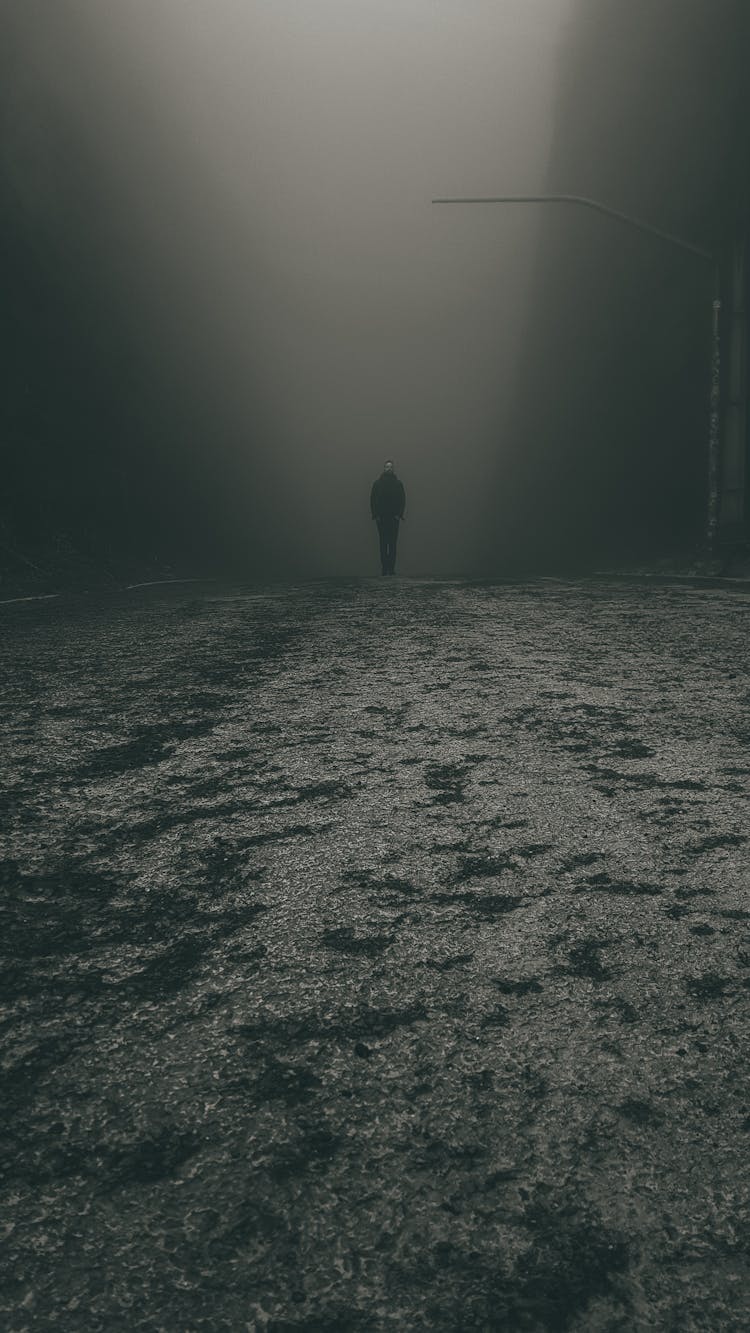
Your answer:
<point x="609" y="416"/>
<point x="231" y="297"/>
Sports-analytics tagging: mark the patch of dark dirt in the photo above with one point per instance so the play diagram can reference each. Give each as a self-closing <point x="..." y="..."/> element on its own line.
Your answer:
<point x="395" y="714"/>
<point x="168" y="818"/>
<point x="297" y="1029"/>
<point x="622" y="1008"/>
<point x="637" y="781"/>
<point x="632" y="749"/>
<point x="252" y="1220"/>
<point x="149" y="745"/>
<point x="440" y="1154"/>
<point x="316" y="791"/>
<point x="573" y="1259"/>
<point x="486" y="905"/>
<point x="50" y="914"/>
<point x="533" y="1083"/>
<point x="381" y="884"/>
<point x="584" y="961"/>
<point x="709" y="986"/>
<point x="207" y="929"/>
<point x="716" y="841"/>
<point x="75" y="930"/>
<point x="446" y="782"/>
<point x="218" y="785"/>
<point x="483" y="865"/>
<point x="602" y="883"/>
<point x="152" y="828"/>
<point x="583" y="859"/>
<point x="448" y="964"/>
<point x="640" y="1113"/>
<point x="281" y="1080"/>
<point x="47" y="917"/>
<point x="498" y="1017"/>
<point x="378" y="1023"/>
<point x="523" y="986"/>
<point x="529" y="849"/>
<point x="225" y="861"/>
<point x="21" y="1077"/>
<point x="343" y="940"/>
<point x="44" y="1152"/>
<point x="166" y="974"/>
<point x="313" y="1150"/>
<point x="146" y="1161"/>
<point x="481" y="1080"/>
<point x="290" y="831"/>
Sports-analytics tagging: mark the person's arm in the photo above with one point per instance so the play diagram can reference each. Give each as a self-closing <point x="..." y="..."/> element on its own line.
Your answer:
<point x="402" y="506"/>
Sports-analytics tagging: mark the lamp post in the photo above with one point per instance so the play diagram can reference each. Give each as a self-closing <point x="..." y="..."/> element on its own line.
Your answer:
<point x="679" y="242"/>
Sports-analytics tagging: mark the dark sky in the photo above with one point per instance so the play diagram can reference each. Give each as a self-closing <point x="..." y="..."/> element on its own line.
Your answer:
<point x="226" y="267"/>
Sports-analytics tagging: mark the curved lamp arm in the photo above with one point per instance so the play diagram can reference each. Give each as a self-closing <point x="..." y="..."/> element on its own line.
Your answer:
<point x="583" y="202"/>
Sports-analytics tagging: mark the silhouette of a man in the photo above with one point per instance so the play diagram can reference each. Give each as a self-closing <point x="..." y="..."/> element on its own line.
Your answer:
<point x="387" y="504"/>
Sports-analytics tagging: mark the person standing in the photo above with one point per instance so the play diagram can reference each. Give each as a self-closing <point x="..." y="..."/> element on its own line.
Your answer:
<point x="387" y="504"/>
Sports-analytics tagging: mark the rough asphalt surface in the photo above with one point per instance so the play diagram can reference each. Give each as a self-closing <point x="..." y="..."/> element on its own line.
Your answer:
<point x="376" y="956"/>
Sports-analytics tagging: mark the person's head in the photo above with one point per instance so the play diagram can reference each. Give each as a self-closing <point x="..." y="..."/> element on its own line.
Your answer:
<point x="388" y="465"/>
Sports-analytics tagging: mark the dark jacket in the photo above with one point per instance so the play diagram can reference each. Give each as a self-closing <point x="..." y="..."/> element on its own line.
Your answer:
<point x="387" y="497"/>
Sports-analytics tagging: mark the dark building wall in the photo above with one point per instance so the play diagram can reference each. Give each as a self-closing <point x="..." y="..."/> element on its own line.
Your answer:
<point x="606" y="444"/>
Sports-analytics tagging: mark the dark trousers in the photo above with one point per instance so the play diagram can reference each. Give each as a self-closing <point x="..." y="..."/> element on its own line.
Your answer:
<point x="388" y="533"/>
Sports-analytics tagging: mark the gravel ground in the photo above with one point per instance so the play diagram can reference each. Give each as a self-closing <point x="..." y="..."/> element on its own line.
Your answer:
<point x="377" y="956"/>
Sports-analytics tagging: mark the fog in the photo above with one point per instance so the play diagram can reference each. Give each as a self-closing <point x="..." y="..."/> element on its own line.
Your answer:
<point x="231" y="297"/>
<point x="609" y="415"/>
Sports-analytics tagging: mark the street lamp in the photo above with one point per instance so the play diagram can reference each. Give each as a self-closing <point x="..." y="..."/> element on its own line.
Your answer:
<point x="680" y="243"/>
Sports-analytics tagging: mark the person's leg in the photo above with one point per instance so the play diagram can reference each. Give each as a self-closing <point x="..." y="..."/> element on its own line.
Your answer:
<point x="387" y="545"/>
<point x="392" y="550"/>
<point x="383" y="535"/>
